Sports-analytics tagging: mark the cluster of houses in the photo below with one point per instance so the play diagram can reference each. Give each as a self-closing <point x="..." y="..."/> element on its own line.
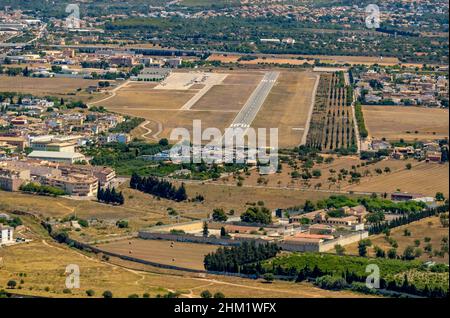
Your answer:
<point x="430" y="151"/>
<point x="74" y="180"/>
<point x="48" y="151"/>
<point x="403" y="88"/>
<point x="312" y="231"/>
<point x="69" y="63"/>
<point x="57" y="131"/>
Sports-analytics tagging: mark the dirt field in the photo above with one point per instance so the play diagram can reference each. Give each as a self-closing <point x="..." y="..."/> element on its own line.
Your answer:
<point x="287" y="107"/>
<point x="394" y="122"/>
<point x="44" y="264"/>
<point x="424" y="178"/>
<point x="419" y="230"/>
<point x="186" y="255"/>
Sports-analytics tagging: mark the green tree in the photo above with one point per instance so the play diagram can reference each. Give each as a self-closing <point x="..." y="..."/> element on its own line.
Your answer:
<point x="268" y="277"/>
<point x="11" y="284"/>
<point x="205" y="229"/>
<point x="219" y="215"/>
<point x="107" y="294"/>
<point x="440" y="196"/>
<point x="206" y="294"/>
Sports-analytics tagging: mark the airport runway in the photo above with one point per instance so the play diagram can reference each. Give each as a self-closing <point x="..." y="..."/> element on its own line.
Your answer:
<point x="251" y="108"/>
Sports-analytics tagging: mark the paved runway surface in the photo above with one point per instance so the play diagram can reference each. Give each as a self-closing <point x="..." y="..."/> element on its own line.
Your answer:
<point x="248" y="113"/>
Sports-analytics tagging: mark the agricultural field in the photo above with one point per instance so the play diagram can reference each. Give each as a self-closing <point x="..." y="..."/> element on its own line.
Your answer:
<point x="419" y="230"/>
<point x="186" y="255"/>
<point x="408" y="123"/>
<point x="58" y="87"/>
<point x="332" y="127"/>
<point x="287" y="107"/>
<point x="423" y="178"/>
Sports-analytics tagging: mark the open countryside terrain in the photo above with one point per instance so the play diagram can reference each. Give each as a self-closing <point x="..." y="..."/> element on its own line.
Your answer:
<point x="408" y="123"/>
<point x="428" y="227"/>
<point x="143" y="210"/>
<point x="424" y="178"/>
<point x="39" y="268"/>
<point x="58" y="87"/>
<point x="186" y="255"/>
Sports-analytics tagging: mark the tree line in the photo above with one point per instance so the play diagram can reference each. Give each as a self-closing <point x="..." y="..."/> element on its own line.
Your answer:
<point x="406" y="219"/>
<point x="110" y="196"/>
<point x="160" y="188"/>
<point x="239" y="259"/>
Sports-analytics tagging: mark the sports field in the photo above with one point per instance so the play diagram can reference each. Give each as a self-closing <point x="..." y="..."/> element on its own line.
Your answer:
<point x="408" y="123"/>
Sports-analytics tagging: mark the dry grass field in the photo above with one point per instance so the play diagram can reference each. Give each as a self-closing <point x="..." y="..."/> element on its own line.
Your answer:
<point x="137" y="96"/>
<point x="39" y="267"/>
<point x="142" y="210"/>
<point x="287" y="107"/>
<point x="58" y="87"/>
<point x="262" y="60"/>
<point x="428" y="227"/>
<point x="231" y="95"/>
<point x="424" y="178"/>
<point x="395" y="122"/>
<point x="44" y="264"/>
<point x="186" y="255"/>
<point x="331" y="170"/>
<point x="300" y="59"/>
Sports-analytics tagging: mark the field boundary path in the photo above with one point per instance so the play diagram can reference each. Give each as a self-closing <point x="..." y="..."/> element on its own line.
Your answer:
<point x="311" y="109"/>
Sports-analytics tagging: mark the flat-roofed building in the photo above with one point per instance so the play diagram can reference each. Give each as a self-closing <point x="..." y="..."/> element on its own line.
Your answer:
<point x="105" y="175"/>
<point x="75" y="184"/>
<point x="18" y="142"/>
<point x="404" y="196"/>
<point x="11" y="179"/>
<point x="53" y="156"/>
